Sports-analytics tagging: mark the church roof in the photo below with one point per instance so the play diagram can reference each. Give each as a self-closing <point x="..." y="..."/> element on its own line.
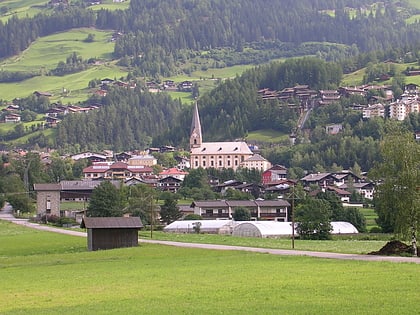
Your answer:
<point x="215" y="148"/>
<point x="195" y="124"/>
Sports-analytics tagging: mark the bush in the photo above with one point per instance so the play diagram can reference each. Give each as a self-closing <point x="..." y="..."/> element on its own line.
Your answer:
<point x="65" y="221"/>
<point x="375" y="229"/>
<point x="192" y="216"/>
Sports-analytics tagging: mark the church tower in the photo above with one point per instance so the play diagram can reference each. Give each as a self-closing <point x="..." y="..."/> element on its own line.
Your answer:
<point x="195" y="133"/>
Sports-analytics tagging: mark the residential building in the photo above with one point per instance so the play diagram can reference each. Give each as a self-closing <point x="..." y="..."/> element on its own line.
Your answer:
<point x="375" y="110"/>
<point x="260" y="209"/>
<point x="256" y="162"/>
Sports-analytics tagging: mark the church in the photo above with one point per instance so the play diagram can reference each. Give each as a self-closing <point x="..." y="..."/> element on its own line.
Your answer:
<point x="218" y="155"/>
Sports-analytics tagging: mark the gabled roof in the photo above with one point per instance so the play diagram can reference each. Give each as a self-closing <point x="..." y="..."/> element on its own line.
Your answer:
<point x="315" y="177"/>
<point x="218" y="148"/>
<point x="111" y="223"/>
<point x="47" y="187"/>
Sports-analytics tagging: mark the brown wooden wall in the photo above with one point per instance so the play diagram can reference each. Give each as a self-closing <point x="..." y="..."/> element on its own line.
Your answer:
<point x="112" y="238"/>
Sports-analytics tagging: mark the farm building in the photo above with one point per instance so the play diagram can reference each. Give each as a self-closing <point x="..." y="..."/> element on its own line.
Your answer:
<point x="108" y="233"/>
<point x="206" y="226"/>
<point x="340" y="227"/>
<point x="277" y="229"/>
<point x="262" y="229"/>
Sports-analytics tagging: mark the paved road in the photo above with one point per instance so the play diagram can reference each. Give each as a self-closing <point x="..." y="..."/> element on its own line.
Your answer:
<point x="6" y="214"/>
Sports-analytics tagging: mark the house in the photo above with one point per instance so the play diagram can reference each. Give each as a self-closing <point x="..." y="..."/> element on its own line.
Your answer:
<point x="375" y="110"/>
<point x="344" y="195"/>
<point x="117" y="170"/>
<point x="173" y="172"/>
<point x="170" y="184"/>
<point x="12" y="118"/>
<point x="320" y="179"/>
<point x="183" y="162"/>
<point x="48" y="199"/>
<point x="328" y="96"/>
<point x="50" y="196"/>
<point x="256" y="162"/>
<point x="39" y="94"/>
<point x="274" y="174"/>
<point x="109" y="233"/>
<point x="142" y="160"/>
<point x="365" y="189"/>
<point x="260" y="209"/>
<point x="333" y="129"/>
<point x="91" y="156"/>
<point x="185" y="86"/>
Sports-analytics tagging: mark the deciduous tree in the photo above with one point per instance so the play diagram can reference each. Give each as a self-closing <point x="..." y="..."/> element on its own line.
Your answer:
<point x="397" y="199"/>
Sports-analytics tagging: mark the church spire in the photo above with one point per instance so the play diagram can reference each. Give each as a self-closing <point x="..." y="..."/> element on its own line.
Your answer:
<point x="195" y="133"/>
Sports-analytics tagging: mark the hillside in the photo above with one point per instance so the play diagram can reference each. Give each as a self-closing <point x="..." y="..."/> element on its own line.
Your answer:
<point x="66" y="51"/>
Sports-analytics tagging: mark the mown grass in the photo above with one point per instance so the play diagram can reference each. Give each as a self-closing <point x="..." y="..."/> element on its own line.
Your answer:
<point x="357" y="244"/>
<point x="370" y="216"/>
<point x="47" y="52"/>
<point x="267" y="136"/>
<point x="46" y="273"/>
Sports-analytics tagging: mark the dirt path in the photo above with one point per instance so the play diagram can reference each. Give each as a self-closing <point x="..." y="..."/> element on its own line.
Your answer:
<point x="6" y="214"/>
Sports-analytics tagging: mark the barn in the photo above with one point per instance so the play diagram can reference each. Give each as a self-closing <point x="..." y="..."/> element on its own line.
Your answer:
<point x="108" y="233"/>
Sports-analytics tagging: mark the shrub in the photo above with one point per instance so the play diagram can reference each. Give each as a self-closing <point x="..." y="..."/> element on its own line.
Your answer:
<point x="192" y="216"/>
<point x="375" y="229"/>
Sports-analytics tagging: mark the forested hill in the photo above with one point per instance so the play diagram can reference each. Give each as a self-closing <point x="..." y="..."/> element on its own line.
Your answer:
<point x="159" y="30"/>
<point x="129" y="119"/>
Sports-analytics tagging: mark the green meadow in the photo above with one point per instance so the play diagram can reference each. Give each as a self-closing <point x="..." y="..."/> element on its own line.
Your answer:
<point x="47" y="273"/>
<point x="29" y="8"/>
<point x="267" y="136"/>
<point x="44" y="55"/>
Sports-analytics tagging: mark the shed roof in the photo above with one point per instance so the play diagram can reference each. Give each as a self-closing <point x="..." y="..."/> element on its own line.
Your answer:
<point x="111" y="223"/>
<point x="47" y="187"/>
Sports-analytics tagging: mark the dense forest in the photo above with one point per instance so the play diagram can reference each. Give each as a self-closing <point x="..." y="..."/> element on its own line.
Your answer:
<point x="159" y="35"/>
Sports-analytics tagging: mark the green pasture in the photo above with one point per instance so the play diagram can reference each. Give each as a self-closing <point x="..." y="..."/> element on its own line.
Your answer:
<point x="76" y="84"/>
<point x="111" y="6"/>
<point x="47" y="273"/>
<point x="267" y="136"/>
<point x="356" y="77"/>
<point x="44" y="55"/>
<point x="22" y="8"/>
<point x="413" y="19"/>
<point x="414" y="3"/>
<point x="46" y="52"/>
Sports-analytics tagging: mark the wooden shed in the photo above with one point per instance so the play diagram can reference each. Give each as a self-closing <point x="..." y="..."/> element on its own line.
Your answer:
<point x="111" y="232"/>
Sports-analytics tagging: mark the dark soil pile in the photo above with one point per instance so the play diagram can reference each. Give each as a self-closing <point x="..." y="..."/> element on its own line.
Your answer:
<point x="394" y="248"/>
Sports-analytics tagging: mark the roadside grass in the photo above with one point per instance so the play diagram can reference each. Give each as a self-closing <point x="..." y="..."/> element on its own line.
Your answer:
<point x="47" y="273"/>
<point x="267" y="136"/>
<point x="355" y="244"/>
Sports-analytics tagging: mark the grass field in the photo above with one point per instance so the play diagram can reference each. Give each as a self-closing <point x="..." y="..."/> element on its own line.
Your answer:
<point x="46" y="273"/>
<point x="267" y="136"/>
<point x="44" y="55"/>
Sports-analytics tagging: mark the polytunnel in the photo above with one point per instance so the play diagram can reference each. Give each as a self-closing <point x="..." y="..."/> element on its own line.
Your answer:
<point x="206" y="226"/>
<point x="262" y="229"/>
<point x="277" y="229"/>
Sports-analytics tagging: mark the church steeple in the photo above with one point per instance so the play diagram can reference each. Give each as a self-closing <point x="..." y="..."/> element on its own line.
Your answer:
<point x="195" y="133"/>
